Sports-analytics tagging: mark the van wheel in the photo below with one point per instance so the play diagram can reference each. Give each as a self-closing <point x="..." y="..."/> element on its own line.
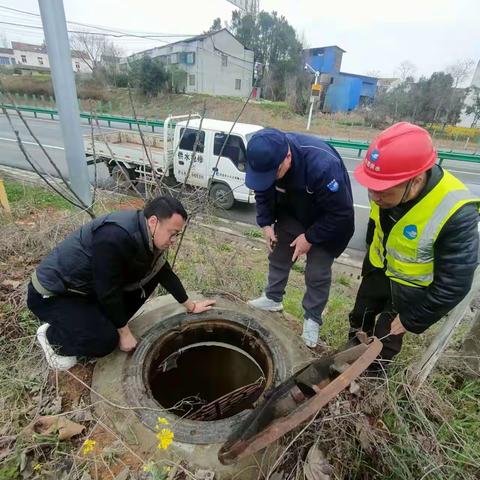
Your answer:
<point x="121" y="179"/>
<point x="221" y="196"/>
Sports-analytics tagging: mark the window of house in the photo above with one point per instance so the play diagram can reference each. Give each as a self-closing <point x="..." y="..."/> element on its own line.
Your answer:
<point x="190" y="58"/>
<point x="77" y="65"/>
<point x="191" y="80"/>
<point x="4" y="61"/>
<point x="40" y="60"/>
<point x="24" y="58"/>
<point x="224" y="60"/>
<point x="174" y="58"/>
<point x="188" y="137"/>
<point x="238" y="84"/>
<point x="234" y="149"/>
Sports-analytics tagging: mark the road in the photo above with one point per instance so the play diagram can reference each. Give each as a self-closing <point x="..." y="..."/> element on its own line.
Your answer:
<point x="49" y="133"/>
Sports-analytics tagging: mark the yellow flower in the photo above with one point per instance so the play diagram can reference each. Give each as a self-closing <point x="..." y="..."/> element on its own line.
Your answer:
<point x="148" y="467"/>
<point x="167" y="469"/>
<point x="161" y="421"/>
<point x="165" y="438"/>
<point x="37" y="467"/>
<point x="88" y="446"/>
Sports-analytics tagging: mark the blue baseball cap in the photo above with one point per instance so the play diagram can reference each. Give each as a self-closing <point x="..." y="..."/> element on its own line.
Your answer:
<point x="265" y="152"/>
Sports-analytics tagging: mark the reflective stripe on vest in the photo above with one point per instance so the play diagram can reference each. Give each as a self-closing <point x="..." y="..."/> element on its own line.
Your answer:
<point x="408" y="254"/>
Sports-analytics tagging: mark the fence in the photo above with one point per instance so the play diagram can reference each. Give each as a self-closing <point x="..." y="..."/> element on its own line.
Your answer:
<point x="359" y="146"/>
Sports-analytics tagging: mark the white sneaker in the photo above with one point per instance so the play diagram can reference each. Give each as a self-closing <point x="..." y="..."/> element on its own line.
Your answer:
<point x="264" y="303"/>
<point x="311" y="330"/>
<point x="58" y="362"/>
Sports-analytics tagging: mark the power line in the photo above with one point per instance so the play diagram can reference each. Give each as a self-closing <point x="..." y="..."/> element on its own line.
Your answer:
<point x="146" y="35"/>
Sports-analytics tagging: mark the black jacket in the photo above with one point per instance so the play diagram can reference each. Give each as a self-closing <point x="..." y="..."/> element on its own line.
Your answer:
<point x="455" y="259"/>
<point x="316" y="191"/>
<point x="105" y="257"/>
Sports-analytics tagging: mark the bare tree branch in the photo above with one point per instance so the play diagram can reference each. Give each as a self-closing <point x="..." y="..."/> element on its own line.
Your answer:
<point x="81" y="205"/>
<point x="152" y="166"/>
<point x="42" y="148"/>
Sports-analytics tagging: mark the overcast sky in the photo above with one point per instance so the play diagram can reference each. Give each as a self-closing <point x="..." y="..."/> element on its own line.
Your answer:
<point x="376" y="34"/>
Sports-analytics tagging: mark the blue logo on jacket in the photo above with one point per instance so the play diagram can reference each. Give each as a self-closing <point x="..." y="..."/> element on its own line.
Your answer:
<point x="333" y="186"/>
<point x="410" y="232"/>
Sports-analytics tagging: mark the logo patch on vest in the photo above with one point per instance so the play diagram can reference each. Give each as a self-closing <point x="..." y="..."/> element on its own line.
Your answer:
<point x="410" y="232"/>
<point x="333" y="186"/>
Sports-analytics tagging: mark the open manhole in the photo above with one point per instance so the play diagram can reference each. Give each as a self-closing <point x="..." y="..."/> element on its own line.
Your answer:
<point x="204" y="373"/>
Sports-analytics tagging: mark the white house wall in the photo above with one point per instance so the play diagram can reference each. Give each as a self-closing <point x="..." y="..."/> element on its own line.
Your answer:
<point x="31" y="58"/>
<point x="32" y="61"/>
<point x="211" y="77"/>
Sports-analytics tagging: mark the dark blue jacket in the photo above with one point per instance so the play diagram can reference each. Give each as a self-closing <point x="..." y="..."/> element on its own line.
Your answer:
<point x="316" y="191"/>
<point x="103" y="258"/>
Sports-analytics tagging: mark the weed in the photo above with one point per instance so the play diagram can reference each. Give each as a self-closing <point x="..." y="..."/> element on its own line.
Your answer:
<point x="344" y="280"/>
<point x="298" y="267"/>
<point x="30" y="197"/>
<point x="225" y="247"/>
<point x="254" y="233"/>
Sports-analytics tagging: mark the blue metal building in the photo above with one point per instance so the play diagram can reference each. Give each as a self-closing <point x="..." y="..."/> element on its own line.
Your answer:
<point x="342" y="92"/>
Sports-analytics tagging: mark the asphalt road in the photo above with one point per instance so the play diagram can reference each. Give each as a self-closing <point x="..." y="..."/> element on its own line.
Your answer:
<point x="49" y="133"/>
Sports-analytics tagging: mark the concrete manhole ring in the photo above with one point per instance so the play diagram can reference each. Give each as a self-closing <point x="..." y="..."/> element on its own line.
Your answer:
<point x="211" y="353"/>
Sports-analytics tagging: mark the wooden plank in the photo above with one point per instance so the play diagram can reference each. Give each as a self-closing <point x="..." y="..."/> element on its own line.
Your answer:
<point x="422" y="369"/>
<point x="4" y="198"/>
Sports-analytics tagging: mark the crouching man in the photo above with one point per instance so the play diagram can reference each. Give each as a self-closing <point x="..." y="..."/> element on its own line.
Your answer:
<point x="89" y="286"/>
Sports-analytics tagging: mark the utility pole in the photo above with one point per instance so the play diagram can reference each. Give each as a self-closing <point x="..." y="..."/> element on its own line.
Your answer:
<point x="59" y="55"/>
<point x="312" y="97"/>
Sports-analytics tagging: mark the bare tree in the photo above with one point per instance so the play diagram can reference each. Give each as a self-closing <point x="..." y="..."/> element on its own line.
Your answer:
<point x="92" y="46"/>
<point x="374" y="73"/>
<point x="406" y="69"/>
<point x="111" y="60"/>
<point x="460" y="71"/>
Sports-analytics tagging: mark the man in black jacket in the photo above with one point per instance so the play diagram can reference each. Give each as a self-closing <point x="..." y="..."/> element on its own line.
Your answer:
<point x="305" y="207"/>
<point x="88" y="287"/>
<point x="422" y="238"/>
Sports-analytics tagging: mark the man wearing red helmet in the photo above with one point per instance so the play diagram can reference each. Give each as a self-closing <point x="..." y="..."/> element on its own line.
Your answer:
<point x="422" y="238"/>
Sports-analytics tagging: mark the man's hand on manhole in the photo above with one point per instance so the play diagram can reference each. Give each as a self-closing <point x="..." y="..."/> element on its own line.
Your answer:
<point x="127" y="342"/>
<point x="200" y="306"/>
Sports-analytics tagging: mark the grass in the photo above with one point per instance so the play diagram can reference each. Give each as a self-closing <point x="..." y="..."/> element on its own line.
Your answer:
<point x="254" y="233"/>
<point x="389" y="432"/>
<point x="31" y="197"/>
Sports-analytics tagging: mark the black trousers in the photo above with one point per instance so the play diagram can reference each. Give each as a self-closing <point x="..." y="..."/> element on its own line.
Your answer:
<point x="77" y="324"/>
<point x="374" y="312"/>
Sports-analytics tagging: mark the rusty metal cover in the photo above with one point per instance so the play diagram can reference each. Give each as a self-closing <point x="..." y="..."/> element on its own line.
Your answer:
<point x="298" y="399"/>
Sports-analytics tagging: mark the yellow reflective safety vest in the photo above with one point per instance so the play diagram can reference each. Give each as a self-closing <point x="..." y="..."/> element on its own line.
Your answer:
<point x="407" y="255"/>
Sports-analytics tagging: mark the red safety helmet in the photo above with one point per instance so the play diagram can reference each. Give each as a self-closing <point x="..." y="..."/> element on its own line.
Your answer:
<point x="398" y="154"/>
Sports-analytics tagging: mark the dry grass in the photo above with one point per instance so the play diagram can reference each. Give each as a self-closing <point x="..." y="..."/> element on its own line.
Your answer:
<point x="387" y="432"/>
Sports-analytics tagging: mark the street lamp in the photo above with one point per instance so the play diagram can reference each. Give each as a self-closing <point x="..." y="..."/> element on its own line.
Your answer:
<point x="312" y="98"/>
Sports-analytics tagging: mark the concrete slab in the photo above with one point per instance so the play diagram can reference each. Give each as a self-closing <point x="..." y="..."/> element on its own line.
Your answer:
<point x="111" y="404"/>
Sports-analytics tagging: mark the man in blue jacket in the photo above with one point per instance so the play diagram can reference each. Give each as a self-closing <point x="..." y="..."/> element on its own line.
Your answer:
<point x="305" y="207"/>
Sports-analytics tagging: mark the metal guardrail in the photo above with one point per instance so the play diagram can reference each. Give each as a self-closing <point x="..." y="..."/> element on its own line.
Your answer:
<point x="441" y="154"/>
<point x="100" y="117"/>
<point x="339" y="143"/>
